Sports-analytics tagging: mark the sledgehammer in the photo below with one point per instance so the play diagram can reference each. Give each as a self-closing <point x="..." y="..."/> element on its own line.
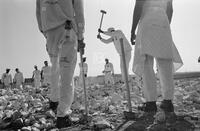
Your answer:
<point x="102" y="12"/>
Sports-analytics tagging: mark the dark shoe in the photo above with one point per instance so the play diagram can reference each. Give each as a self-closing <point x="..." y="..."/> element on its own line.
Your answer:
<point x="53" y="106"/>
<point x="142" y="107"/>
<point x="148" y="107"/>
<point x="167" y="118"/>
<point x="129" y="115"/>
<point x="63" y="122"/>
<point x="171" y="118"/>
<point x="150" y="110"/>
<point x="167" y="106"/>
<point x="146" y="117"/>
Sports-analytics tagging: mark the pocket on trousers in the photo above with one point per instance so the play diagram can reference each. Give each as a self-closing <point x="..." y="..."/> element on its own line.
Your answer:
<point x="68" y="53"/>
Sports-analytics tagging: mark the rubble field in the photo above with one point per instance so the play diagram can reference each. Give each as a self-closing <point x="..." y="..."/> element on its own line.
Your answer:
<point x="27" y="109"/>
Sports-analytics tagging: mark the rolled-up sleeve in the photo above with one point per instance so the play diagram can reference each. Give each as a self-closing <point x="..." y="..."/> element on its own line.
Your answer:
<point x="79" y="17"/>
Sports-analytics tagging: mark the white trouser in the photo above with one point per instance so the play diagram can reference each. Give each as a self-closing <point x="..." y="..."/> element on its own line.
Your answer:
<point x="18" y="85"/>
<point x="55" y="77"/>
<point x="37" y="82"/>
<point x="7" y="85"/>
<point x="63" y="59"/>
<point x="46" y="80"/>
<point x="166" y="79"/>
<point x="109" y="80"/>
<point x="127" y="58"/>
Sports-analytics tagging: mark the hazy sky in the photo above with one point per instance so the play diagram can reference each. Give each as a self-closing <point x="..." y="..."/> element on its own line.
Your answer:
<point x="23" y="46"/>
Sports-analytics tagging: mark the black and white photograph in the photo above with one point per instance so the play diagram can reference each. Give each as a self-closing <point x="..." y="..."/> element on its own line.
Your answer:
<point x="99" y="65"/>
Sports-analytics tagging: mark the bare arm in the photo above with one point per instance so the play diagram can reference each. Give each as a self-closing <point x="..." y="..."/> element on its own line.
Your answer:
<point x="38" y="15"/>
<point x="169" y="10"/>
<point x="137" y="14"/>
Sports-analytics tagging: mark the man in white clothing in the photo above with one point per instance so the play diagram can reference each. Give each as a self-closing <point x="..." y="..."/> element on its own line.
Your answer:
<point x="115" y="36"/>
<point x="7" y="79"/>
<point x="18" y="79"/>
<point x="62" y="23"/>
<point x="46" y="74"/>
<point x="109" y="73"/>
<point x="36" y="77"/>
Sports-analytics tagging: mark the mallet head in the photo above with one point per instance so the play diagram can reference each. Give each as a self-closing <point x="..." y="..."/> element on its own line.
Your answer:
<point x="103" y="11"/>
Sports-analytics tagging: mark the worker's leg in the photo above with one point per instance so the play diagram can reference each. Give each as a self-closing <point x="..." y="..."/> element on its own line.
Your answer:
<point x="149" y="79"/>
<point x="167" y="83"/>
<point x="68" y="58"/>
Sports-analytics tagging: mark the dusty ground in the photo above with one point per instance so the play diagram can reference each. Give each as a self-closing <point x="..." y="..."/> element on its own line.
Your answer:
<point x="27" y="109"/>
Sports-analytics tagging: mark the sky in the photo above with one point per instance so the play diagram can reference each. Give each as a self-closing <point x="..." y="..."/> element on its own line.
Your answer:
<point x="23" y="46"/>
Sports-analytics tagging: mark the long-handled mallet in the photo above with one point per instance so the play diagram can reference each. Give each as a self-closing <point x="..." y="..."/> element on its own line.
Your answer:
<point x="126" y="75"/>
<point x="102" y="14"/>
<point x="84" y="86"/>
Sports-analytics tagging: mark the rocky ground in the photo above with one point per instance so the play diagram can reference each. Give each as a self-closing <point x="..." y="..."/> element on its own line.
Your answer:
<point x="27" y="109"/>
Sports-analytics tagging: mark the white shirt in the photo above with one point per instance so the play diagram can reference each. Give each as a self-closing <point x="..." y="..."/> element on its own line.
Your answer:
<point x="116" y="36"/>
<point x="36" y="74"/>
<point x="46" y="71"/>
<point x="18" y="78"/>
<point x="109" y="67"/>
<point x="6" y="79"/>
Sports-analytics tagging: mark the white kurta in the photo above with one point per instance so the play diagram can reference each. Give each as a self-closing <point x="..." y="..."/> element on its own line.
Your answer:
<point x="46" y="72"/>
<point x="7" y="79"/>
<point x="37" y="78"/>
<point x="154" y="36"/>
<point x="18" y="79"/>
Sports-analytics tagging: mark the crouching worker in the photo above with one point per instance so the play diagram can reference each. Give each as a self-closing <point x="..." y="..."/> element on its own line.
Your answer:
<point x="62" y="23"/>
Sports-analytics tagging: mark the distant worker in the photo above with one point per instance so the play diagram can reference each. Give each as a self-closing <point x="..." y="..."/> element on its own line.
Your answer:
<point x="115" y="36"/>
<point x="46" y="74"/>
<point x="36" y="77"/>
<point x="109" y="73"/>
<point x="7" y="79"/>
<point x="84" y="70"/>
<point x="18" y="79"/>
